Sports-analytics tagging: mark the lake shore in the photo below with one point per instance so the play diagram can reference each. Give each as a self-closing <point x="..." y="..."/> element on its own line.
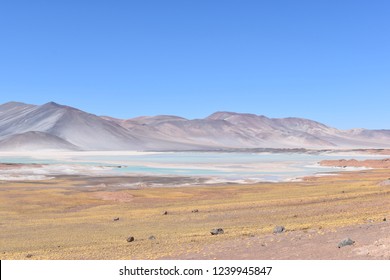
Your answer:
<point x="370" y="163"/>
<point x="206" y="167"/>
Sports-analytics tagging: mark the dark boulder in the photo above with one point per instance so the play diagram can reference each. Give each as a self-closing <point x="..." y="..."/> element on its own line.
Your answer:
<point x="279" y="229"/>
<point x="130" y="239"/>
<point x="217" y="231"/>
<point x="346" y="242"/>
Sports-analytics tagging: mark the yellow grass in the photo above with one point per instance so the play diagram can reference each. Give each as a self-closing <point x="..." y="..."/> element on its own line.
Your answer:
<point x="61" y="219"/>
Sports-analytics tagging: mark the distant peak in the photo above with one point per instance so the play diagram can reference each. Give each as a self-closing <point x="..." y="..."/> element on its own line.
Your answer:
<point x="52" y="103"/>
<point x="223" y="115"/>
<point x="14" y="103"/>
<point x="168" y="117"/>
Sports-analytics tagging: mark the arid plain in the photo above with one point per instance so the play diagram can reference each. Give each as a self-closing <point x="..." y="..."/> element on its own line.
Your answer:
<point x="82" y="217"/>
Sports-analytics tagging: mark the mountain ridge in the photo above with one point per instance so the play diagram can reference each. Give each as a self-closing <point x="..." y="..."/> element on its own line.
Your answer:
<point x="70" y="128"/>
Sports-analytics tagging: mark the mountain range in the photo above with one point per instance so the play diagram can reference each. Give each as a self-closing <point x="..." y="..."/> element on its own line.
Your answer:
<point x="25" y="127"/>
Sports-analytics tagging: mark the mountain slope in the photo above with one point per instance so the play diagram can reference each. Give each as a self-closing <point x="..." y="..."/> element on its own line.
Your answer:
<point x="34" y="140"/>
<point x="86" y="131"/>
<point x="65" y="127"/>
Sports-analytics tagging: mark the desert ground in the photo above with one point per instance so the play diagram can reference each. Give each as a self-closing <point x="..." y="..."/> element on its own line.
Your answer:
<point x="87" y="217"/>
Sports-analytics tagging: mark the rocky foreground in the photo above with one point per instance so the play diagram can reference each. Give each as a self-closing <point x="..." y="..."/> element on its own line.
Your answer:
<point x="368" y="241"/>
<point x="81" y="217"/>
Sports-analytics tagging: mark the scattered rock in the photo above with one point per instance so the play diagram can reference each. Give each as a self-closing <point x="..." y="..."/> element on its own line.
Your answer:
<point x="130" y="239"/>
<point x="116" y="219"/>
<point x="29" y="256"/>
<point x="217" y="231"/>
<point x="279" y="229"/>
<point x="195" y="211"/>
<point x="152" y="237"/>
<point x="165" y="213"/>
<point x="346" y="242"/>
<point x="384" y="219"/>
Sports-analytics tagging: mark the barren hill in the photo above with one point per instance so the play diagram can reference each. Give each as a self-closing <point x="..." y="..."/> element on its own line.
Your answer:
<point x="69" y="128"/>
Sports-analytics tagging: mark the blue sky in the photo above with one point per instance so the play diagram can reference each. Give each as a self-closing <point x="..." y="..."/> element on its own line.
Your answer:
<point x="324" y="60"/>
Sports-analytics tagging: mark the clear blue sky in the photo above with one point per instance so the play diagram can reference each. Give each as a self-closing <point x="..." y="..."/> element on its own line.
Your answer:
<point x="324" y="60"/>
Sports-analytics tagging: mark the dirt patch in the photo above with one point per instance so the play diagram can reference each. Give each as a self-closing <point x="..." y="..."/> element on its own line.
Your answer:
<point x="115" y="196"/>
<point x="371" y="242"/>
<point x="370" y="163"/>
<point x="9" y="166"/>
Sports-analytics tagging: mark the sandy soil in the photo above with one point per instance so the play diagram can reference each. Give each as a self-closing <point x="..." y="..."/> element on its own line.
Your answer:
<point x="371" y="163"/>
<point x="76" y="217"/>
<point x="10" y="166"/>
<point x="377" y="151"/>
<point x="372" y="241"/>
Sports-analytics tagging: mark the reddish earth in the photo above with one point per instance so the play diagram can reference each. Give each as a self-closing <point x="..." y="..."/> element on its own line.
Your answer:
<point x="6" y="166"/>
<point x="370" y="163"/>
<point x="372" y="242"/>
<point x="115" y="196"/>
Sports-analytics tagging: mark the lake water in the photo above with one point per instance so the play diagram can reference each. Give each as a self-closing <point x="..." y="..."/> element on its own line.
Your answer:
<point x="219" y="166"/>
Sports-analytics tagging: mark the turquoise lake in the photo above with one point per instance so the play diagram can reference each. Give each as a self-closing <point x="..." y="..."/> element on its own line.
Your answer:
<point x="225" y="166"/>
